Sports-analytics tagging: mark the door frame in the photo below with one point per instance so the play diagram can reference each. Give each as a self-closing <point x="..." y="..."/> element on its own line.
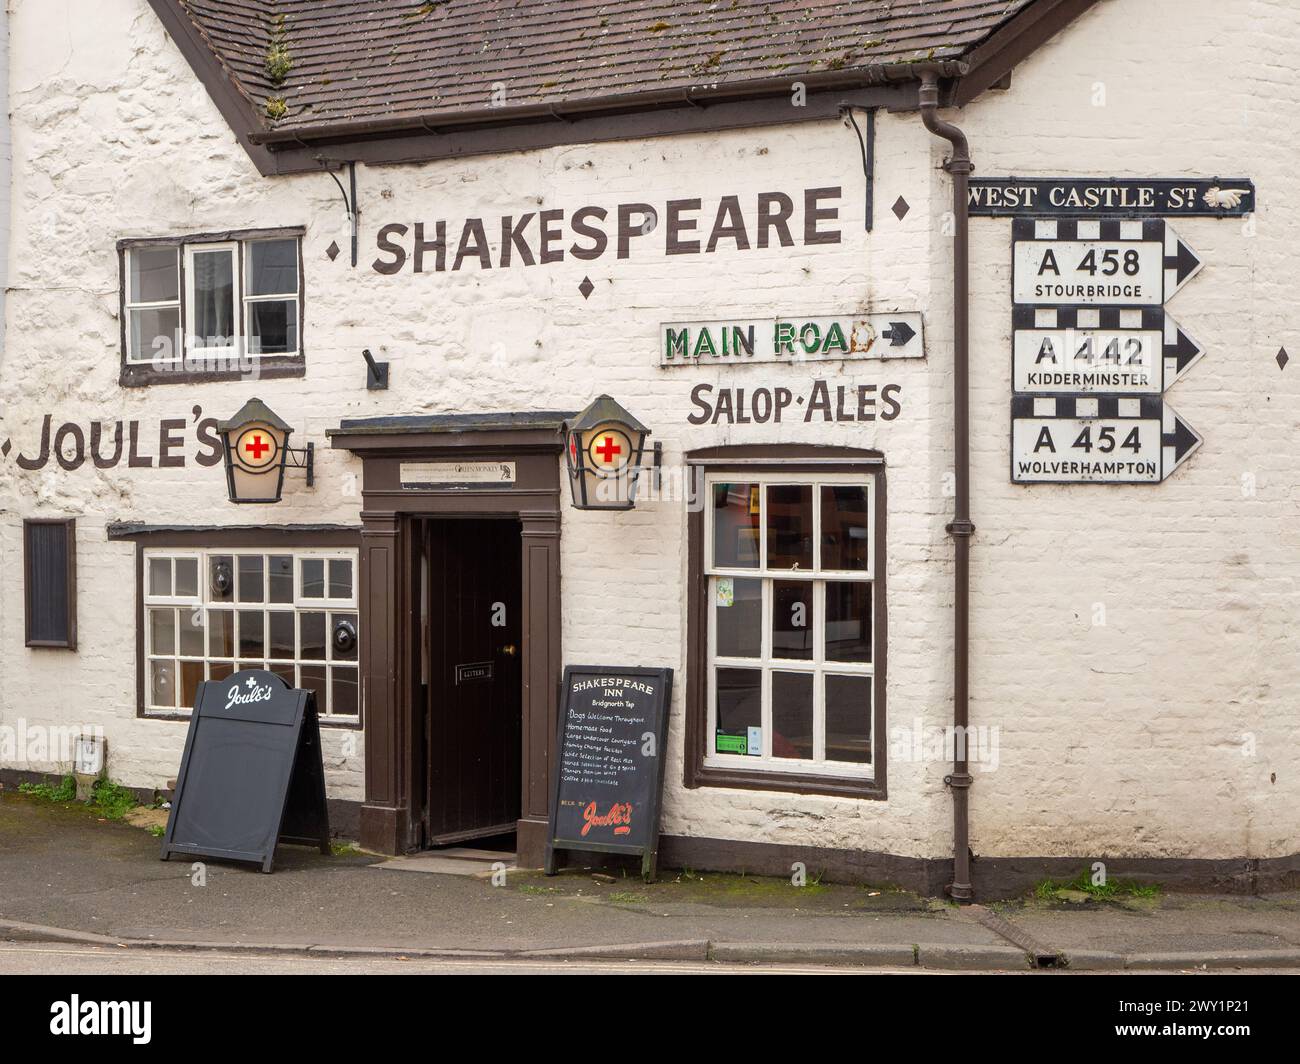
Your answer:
<point x="391" y="812"/>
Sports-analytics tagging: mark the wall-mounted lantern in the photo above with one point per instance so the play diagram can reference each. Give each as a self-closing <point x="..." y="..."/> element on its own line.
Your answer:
<point x="604" y="444"/>
<point x="257" y="450"/>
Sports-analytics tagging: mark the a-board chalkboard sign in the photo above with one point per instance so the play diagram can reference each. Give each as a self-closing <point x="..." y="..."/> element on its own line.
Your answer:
<point x="610" y="775"/>
<point x="251" y="774"/>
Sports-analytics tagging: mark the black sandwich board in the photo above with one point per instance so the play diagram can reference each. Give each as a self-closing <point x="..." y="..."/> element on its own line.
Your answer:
<point x="609" y="780"/>
<point x="251" y="774"/>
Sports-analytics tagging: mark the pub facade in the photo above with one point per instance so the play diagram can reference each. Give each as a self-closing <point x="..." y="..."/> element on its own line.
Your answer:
<point x="958" y="588"/>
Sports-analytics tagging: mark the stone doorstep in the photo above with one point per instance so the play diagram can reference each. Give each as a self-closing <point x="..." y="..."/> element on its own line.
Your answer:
<point x="457" y="861"/>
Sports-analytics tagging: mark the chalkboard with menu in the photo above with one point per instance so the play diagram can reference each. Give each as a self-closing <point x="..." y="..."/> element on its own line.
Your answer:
<point x="609" y="780"/>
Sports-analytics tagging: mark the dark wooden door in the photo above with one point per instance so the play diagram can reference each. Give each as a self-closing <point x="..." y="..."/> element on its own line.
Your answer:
<point x="475" y="732"/>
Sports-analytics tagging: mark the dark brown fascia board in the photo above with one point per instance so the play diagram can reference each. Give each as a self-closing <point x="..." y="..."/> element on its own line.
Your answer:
<point x="236" y="108"/>
<point x="549" y="132"/>
<point x="572" y="110"/>
<point x="1022" y="35"/>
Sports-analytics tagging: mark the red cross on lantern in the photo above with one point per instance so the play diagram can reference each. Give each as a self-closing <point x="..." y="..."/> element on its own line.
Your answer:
<point x="604" y="448"/>
<point x="608" y="448"/>
<point x="257" y="451"/>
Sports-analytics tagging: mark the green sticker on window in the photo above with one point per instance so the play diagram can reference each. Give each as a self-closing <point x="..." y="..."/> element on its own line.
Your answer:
<point x="730" y="744"/>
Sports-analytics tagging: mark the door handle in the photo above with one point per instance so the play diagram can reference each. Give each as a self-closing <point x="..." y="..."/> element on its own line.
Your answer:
<point x="510" y="649"/>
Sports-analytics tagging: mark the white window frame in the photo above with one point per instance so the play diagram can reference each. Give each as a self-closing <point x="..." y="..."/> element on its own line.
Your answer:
<point x="767" y="663"/>
<point x="294" y="297"/>
<point x="235" y="348"/>
<point x="147" y="357"/>
<point x="204" y="603"/>
<point x="185" y="251"/>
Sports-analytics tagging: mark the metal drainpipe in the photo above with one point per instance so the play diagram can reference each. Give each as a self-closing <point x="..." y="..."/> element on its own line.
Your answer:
<point x="960" y="529"/>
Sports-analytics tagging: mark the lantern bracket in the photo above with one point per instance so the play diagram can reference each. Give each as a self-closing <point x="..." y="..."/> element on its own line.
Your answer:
<point x="303" y="458"/>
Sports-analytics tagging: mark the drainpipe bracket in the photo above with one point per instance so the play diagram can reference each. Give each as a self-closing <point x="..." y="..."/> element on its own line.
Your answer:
<point x="963" y="526"/>
<point x="962" y="780"/>
<point x="959" y="166"/>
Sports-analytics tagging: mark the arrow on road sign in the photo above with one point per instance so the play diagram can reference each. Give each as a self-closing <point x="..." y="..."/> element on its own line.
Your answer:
<point x="898" y="333"/>
<point x="1181" y="262"/>
<point x="1178" y="440"/>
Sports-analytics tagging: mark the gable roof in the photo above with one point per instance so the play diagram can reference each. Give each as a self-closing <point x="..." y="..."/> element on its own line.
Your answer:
<point x="293" y="72"/>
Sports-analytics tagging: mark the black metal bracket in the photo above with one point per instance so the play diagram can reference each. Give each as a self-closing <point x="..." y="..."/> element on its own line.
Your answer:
<point x="350" y="202"/>
<point x="658" y="462"/>
<point x="868" y="146"/>
<point x="964" y="527"/>
<point x="377" y="374"/>
<point x="303" y="458"/>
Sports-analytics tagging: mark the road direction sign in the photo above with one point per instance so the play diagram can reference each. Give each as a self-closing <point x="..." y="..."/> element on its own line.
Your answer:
<point x="1121" y="351"/>
<point x="1098" y="262"/>
<point x="1103" y="439"/>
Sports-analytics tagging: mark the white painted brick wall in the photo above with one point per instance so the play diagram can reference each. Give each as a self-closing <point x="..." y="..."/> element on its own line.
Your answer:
<point x="1120" y="739"/>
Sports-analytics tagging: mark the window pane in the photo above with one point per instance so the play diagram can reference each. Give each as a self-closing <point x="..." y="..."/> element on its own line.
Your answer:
<point x="739" y="711"/>
<point x="280" y="578"/>
<point x="313" y="578"/>
<point x="162" y="631"/>
<point x="191" y="677"/>
<point x="848" y="621"/>
<point x="313" y="679"/>
<point x="272" y="327"/>
<point x="792" y="619"/>
<point x="221" y="633"/>
<point x="336" y="652"/>
<point x="735" y="526"/>
<point x="187" y="577"/>
<point x="220" y="670"/>
<point x="252" y="642"/>
<point x="280" y="637"/>
<point x="344" y="685"/>
<point x="212" y="318"/>
<point x="154" y="275"/>
<point x="160" y="576"/>
<point x="340" y="578"/>
<point x="155" y="334"/>
<point x="272" y="267"/>
<point x="845" y="536"/>
<point x="848" y="719"/>
<point x="738" y="606"/>
<point x="311" y="636"/>
<point x="789" y="526"/>
<point x="162" y="684"/>
<point x="191" y="621"/>
<point x="792" y="714"/>
<point x="221" y="578"/>
<point x="285" y="671"/>
<point x="250" y="578"/>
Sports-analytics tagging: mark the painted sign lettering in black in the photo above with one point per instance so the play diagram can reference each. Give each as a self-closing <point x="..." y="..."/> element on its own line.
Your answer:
<point x="609" y="780"/>
<point x="1058" y="197"/>
<point x="251" y="774"/>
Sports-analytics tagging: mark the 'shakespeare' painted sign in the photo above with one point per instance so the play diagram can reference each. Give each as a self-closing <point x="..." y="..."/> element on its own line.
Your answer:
<point x="686" y="226"/>
<point x="1056" y="197"/>
<point x="1098" y="262"/>
<point x="1099" y="439"/>
<point x="791" y="339"/>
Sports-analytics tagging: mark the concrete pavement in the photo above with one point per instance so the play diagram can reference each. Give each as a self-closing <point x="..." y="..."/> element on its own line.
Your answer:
<point x="65" y="875"/>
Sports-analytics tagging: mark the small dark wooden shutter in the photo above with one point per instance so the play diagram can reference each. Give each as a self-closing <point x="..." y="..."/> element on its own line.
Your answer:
<point x="50" y="582"/>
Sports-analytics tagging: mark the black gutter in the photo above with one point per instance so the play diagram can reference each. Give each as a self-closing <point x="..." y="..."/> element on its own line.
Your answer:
<point x="961" y="528"/>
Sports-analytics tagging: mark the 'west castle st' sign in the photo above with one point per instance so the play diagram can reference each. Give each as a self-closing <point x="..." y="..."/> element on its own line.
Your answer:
<point x="1059" y="197"/>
